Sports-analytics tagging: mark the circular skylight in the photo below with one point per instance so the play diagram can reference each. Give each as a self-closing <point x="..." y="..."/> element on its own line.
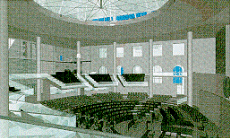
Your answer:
<point x="102" y="10"/>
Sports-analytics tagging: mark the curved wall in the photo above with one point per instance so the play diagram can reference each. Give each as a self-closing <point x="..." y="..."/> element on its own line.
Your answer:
<point x="28" y="20"/>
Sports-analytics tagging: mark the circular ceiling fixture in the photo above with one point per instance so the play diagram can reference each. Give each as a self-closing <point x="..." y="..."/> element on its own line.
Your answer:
<point x="102" y="10"/>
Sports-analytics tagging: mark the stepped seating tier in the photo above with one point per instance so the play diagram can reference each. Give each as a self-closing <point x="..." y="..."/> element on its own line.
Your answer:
<point x="101" y="77"/>
<point x="101" y="80"/>
<point x="131" y="80"/>
<point x="66" y="77"/>
<point x="134" y="77"/>
<point x="13" y="89"/>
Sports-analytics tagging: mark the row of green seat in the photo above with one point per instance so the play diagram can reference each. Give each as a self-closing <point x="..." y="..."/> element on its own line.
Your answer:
<point x="103" y="107"/>
<point x="119" y="116"/>
<point x="69" y="102"/>
<point x="159" y="98"/>
<point x="149" y="106"/>
<point x="106" y="97"/>
<point x="139" y="96"/>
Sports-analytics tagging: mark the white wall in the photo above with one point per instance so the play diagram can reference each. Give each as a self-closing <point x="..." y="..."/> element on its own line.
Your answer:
<point x="204" y="61"/>
<point x="204" y="55"/>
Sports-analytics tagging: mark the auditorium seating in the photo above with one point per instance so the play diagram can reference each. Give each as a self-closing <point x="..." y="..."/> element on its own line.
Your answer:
<point x="66" y="77"/>
<point x="92" y="113"/>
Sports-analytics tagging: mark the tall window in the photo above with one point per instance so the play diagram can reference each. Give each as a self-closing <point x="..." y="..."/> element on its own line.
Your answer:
<point x="177" y="72"/>
<point x="137" y="51"/>
<point x="178" y="49"/>
<point x="157" y="69"/>
<point x="103" y="52"/>
<point x="157" y="50"/>
<point x="180" y="89"/>
<point x="10" y="42"/>
<point x="120" y="51"/>
<point x="137" y="70"/>
<point x="102" y="70"/>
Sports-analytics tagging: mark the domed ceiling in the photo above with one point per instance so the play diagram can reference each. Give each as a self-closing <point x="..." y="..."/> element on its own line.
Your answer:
<point x="102" y="10"/>
<point x="28" y="19"/>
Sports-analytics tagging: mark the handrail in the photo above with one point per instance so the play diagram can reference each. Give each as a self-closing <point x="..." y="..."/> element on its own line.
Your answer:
<point x="51" y="79"/>
<point x="43" y="113"/>
<point x="20" y="97"/>
<point x="114" y="82"/>
<point x="125" y="83"/>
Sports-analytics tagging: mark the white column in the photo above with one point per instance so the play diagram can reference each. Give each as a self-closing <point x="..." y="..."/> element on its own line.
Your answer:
<point x="45" y="89"/>
<point x="38" y="86"/>
<point x="79" y="63"/>
<point x="4" y="70"/>
<point x="189" y="68"/>
<point x="227" y="39"/>
<point x="151" y="68"/>
<point x="4" y="60"/>
<point x="114" y="62"/>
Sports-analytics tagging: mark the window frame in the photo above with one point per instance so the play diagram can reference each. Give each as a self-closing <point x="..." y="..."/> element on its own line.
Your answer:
<point x="104" y="71"/>
<point x="102" y="52"/>
<point x="137" y="72"/>
<point x="157" y="80"/>
<point x="120" y="53"/>
<point x="137" y="52"/>
<point x="155" y="49"/>
<point x="180" y="52"/>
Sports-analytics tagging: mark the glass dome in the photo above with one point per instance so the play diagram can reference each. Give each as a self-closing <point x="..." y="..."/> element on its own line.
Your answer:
<point x="102" y="10"/>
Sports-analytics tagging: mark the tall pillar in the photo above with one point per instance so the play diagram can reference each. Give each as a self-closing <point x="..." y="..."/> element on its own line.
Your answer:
<point x="227" y="39"/>
<point x="38" y="86"/>
<point x="151" y="68"/>
<point x="4" y="70"/>
<point x="189" y="68"/>
<point x="45" y="90"/>
<point x="4" y="60"/>
<point x="79" y="90"/>
<point x="114" y="62"/>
